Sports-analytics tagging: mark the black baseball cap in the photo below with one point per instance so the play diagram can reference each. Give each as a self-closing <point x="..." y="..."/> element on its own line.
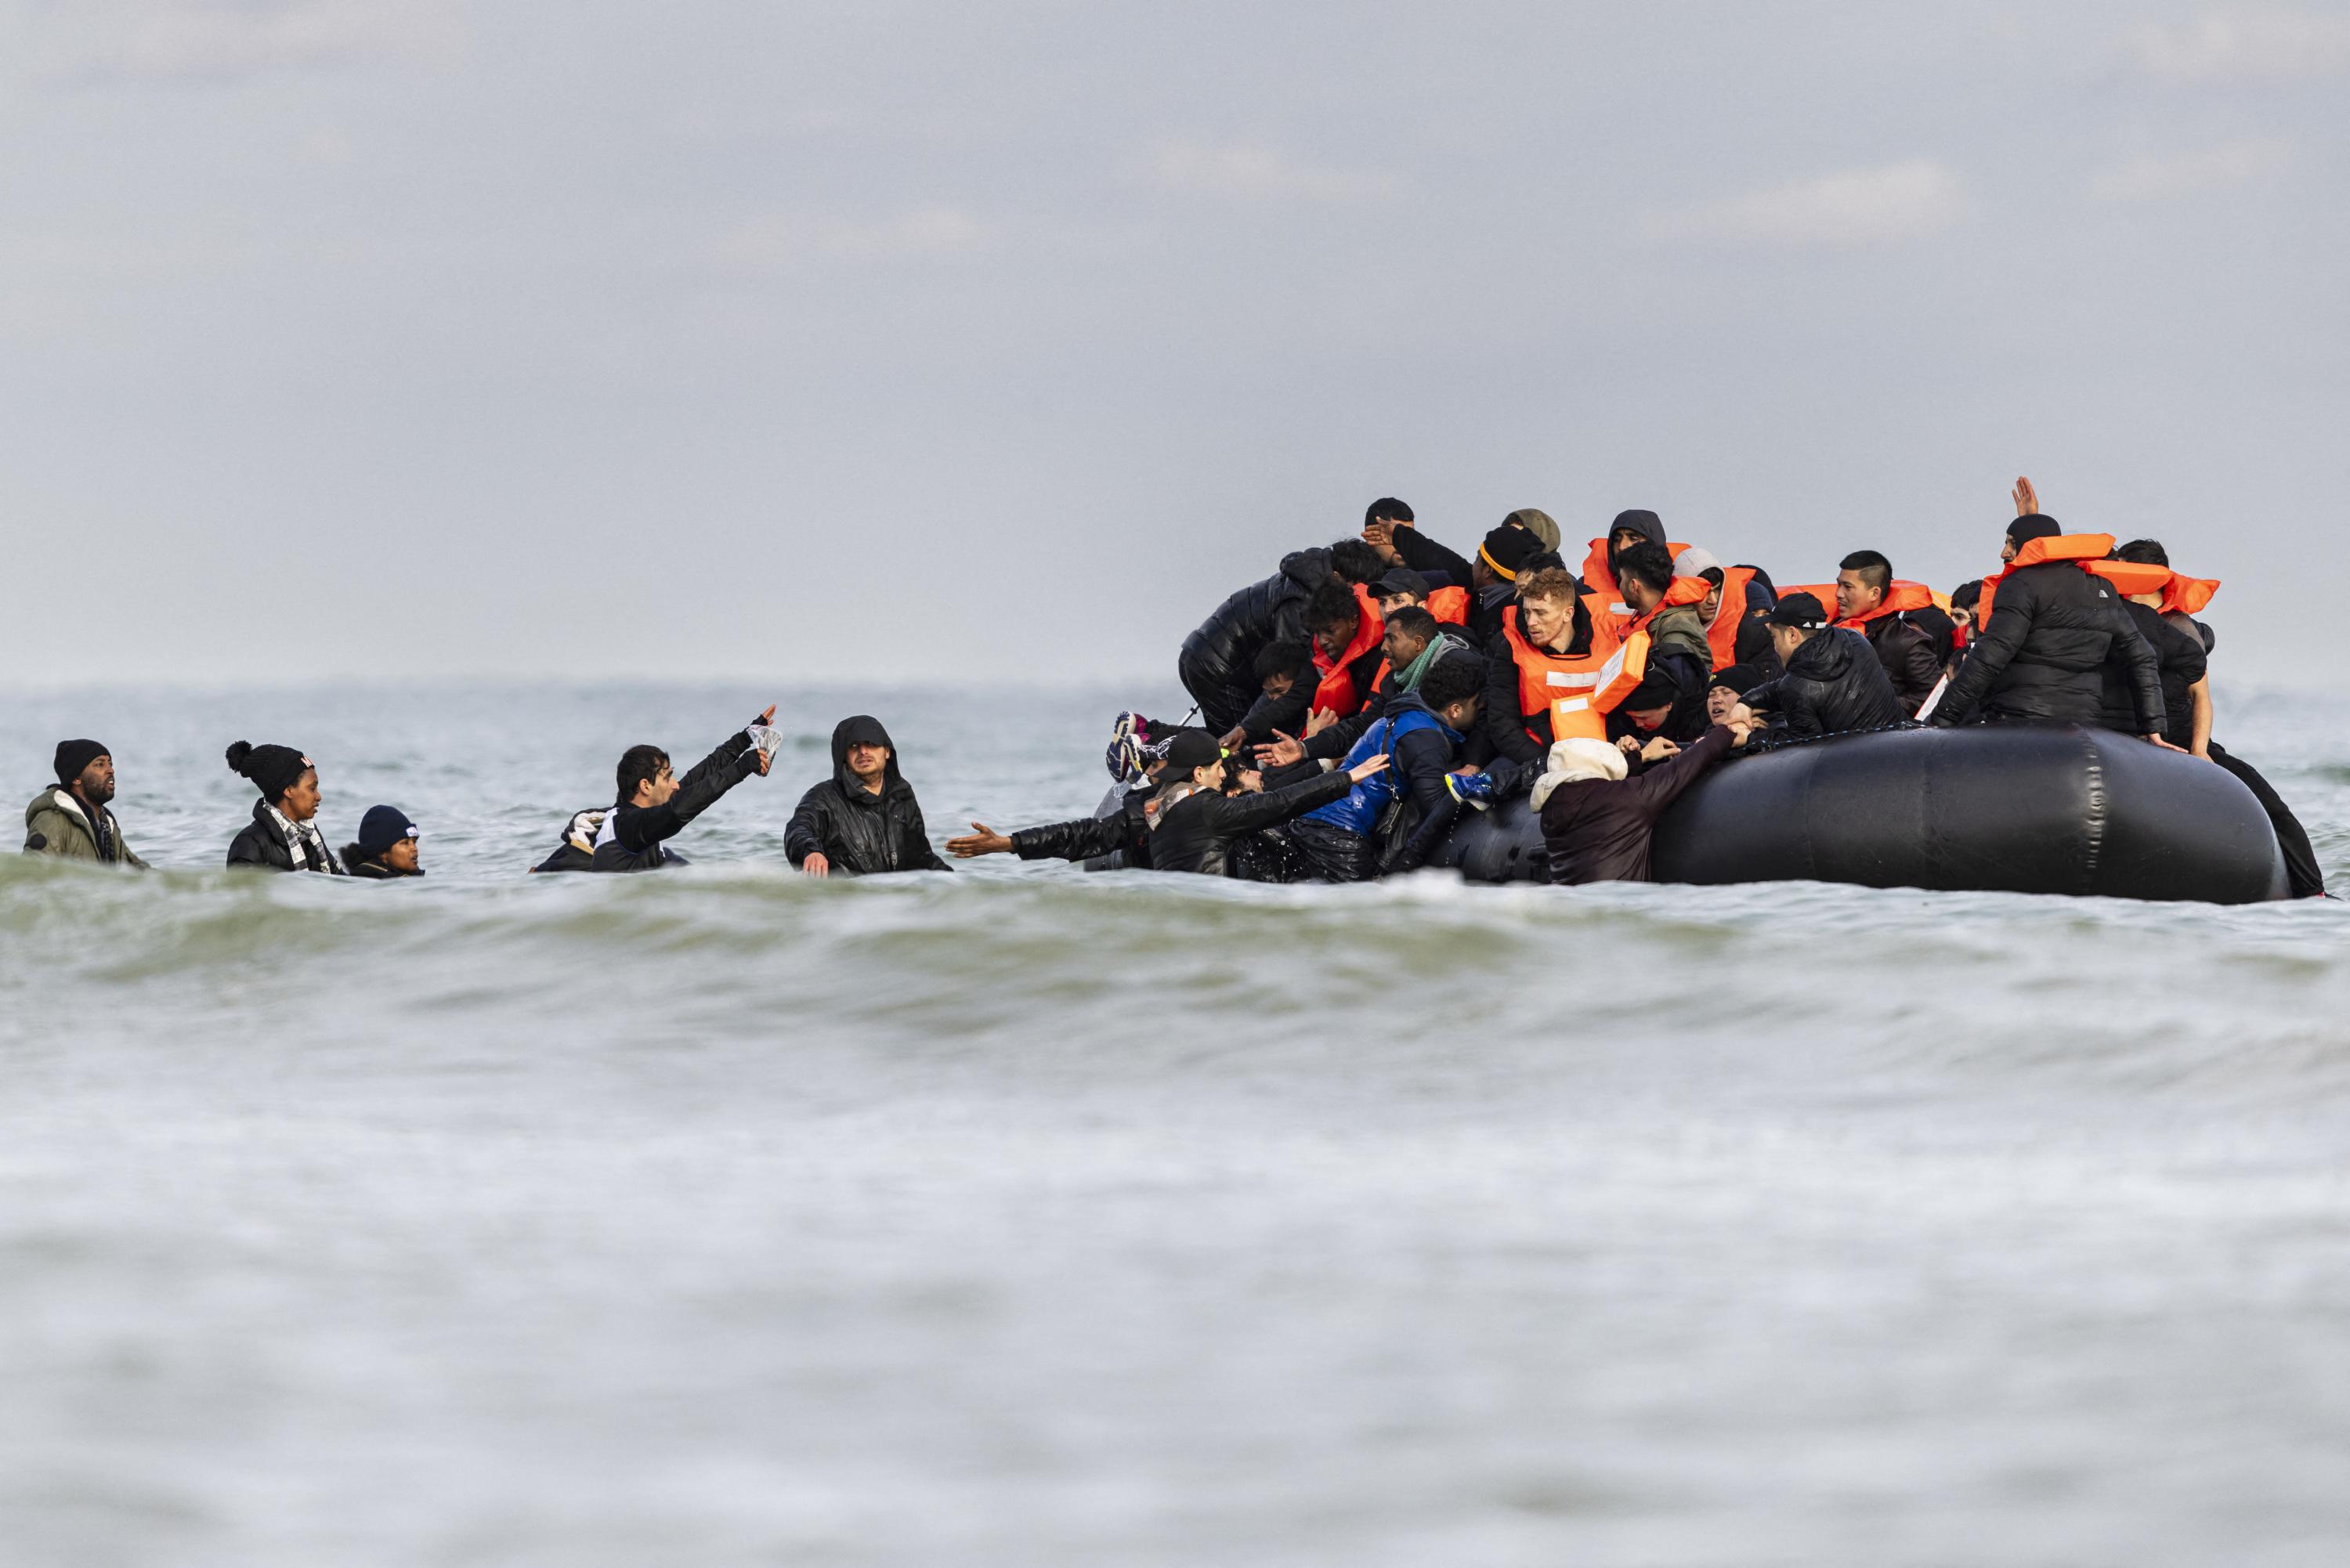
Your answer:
<point x="1802" y="611"/>
<point x="1401" y="580"/>
<point x="1190" y="752"/>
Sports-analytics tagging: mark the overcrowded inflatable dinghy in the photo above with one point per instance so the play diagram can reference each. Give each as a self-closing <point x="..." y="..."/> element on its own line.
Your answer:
<point x="1985" y="807"/>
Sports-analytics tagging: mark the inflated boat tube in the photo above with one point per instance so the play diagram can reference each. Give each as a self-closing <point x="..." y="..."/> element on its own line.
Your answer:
<point x="1997" y="807"/>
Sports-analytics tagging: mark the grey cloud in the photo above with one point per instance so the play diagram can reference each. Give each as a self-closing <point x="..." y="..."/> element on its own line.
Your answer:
<point x="2244" y="42"/>
<point x="1888" y="204"/>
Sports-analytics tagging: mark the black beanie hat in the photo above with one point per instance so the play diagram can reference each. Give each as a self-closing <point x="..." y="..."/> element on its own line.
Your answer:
<point x="274" y="769"/>
<point x="1740" y="677"/>
<point x="1506" y="549"/>
<point x="75" y="755"/>
<point x="2032" y="526"/>
<point x="1656" y="691"/>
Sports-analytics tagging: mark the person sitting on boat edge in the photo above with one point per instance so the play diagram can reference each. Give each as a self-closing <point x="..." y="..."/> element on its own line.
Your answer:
<point x="864" y="820"/>
<point x="387" y="847"/>
<point x="2040" y="653"/>
<point x="1194" y="823"/>
<point x="1835" y="680"/>
<point x="74" y="819"/>
<point x="1420" y="731"/>
<point x="1215" y="660"/>
<point x="653" y="804"/>
<point x="283" y="833"/>
<point x="1866" y="603"/>
<point x="1599" y="819"/>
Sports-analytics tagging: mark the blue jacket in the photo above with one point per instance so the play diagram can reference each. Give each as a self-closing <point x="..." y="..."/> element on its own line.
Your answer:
<point x="1419" y="748"/>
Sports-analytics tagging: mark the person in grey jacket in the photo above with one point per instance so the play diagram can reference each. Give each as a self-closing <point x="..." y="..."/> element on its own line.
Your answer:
<point x="75" y="820"/>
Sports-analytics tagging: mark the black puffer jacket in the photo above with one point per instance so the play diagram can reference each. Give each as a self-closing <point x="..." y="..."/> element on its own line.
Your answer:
<point x="1226" y="644"/>
<point x="359" y="863"/>
<point x="2179" y="657"/>
<point x="1126" y="829"/>
<point x="1196" y="833"/>
<point x="638" y="840"/>
<point x="2042" y="655"/>
<point x="1832" y="683"/>
<point x="1908" y="657"/>
<point x="263" y="848"/>
<point x="858" y="831"/>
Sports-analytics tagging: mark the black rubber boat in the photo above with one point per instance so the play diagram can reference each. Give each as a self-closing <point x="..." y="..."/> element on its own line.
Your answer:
<point x="1988" y="807"/>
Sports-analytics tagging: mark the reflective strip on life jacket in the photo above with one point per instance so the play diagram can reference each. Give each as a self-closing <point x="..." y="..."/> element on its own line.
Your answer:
<point x="1579" y="689"/>
<point x="2080" y="549"/>
<point x="1336" y="690"/>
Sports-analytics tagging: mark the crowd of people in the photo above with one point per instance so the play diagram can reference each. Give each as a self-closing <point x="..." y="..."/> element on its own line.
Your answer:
<point x="1353" y="704"/>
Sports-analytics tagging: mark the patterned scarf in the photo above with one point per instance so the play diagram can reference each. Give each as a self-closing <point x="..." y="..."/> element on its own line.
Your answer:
<point x="304" y="844"/>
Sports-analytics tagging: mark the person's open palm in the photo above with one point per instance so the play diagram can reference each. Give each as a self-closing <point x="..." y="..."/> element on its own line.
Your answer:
<point x="1367" y="767"/>
<point x="2027" y="500"/>
<point x="1285" y="751"/>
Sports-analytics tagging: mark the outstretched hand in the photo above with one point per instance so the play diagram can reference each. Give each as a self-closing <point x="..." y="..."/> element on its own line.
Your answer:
<point x="766" y="758"/>
<point x="1286" y="751"/>
<point x="2026" y="499"/>
<point x="1367" y="767"/>
<point x="981" y="840"/>
<point x="1320" y="720"/>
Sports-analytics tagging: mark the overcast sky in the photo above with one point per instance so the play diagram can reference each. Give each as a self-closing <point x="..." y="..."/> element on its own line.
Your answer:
<point x="985" y="342"/>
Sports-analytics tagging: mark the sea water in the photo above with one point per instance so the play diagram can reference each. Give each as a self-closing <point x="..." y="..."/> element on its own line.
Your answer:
<point x="1025" y="1217"/>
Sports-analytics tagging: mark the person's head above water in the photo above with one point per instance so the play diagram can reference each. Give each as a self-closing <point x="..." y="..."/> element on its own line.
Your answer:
<point x="1862" y="579"/>
<point x="861" y="746"/>
<point x="1643" y="572"/>
<point x="387" y="837"/>
<point x="644" y="778"/>
<point x="1194" y="757"/>
<point x="285" y="777"/>
<point x="1332" y="617"/>
<point x="86" y="768"/>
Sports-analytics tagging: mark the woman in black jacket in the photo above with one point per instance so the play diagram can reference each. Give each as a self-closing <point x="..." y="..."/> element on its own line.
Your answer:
<point x="282" y="835"/>
<point x="863" y="820"/>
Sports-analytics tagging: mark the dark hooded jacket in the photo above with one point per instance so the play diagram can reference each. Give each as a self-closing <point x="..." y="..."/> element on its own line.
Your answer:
<point x="631" y="837"/>
<point x="359" y="863"/>
<point x="1123" y="828"/>
<point x="1197" y="832"/>
<point x="858" y="831"/>
<point x="1217" y="661"/>
<point x="1834" y="683"/>
<point x="262" y="846"/>
<point x="2042" y="655"/>
<point x="2181" y="661"/>
<point x="1598" y="830"/>
<point x="1907" y="655"/>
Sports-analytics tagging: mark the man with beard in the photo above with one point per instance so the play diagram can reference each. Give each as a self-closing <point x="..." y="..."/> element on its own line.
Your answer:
<point x="73" y="821"/>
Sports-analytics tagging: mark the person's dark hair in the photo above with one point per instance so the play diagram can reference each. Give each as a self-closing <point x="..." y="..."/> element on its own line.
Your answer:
<point x="1543" y="561"/>
<point x="1415" y="620"/>
<point x="1713" y="575"/>
<point x="1353" y="561"/>
<point x="638" y="765"/>
<point x="1967" y="595"/>
<point x="2144" y="553"/>
<point x="1875" y="570"/>
<point x="1332" y="605"/>
<point x="1648" y="561"/>
<point x="1386" y="508"/>
<point x="1455" y="676"/>
<point x="1273" y="659"/>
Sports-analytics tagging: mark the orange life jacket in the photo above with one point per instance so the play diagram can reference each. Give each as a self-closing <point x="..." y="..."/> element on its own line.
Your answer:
<point x="2187" y="596"/>
<point x="2180" y="595"/>
<point x="1449" y="605"/>
<point x="1335" y="691"/>
<point x="1679" y="591"/>
<point x="1578" y="689"/>
<point x="1722" y="635"/>
<point x="2078" y="548"/>
<point x="1899" y="595"/>
<point x="1599" y="577"/>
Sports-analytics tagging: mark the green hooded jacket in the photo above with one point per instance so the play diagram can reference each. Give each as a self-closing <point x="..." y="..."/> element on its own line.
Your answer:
<point x="55" y="824"/>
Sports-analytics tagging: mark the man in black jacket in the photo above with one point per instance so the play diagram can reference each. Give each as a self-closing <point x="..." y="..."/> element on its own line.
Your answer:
<point x="1863" y="580"/>
<point x="1215" y="661"/>
<point x="654" y="806"/>
<point x="1834" y="681"/>
<point x="1194" y="823"/>
<point x="864" y="820"/>
<point x="2052" y="628"/>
